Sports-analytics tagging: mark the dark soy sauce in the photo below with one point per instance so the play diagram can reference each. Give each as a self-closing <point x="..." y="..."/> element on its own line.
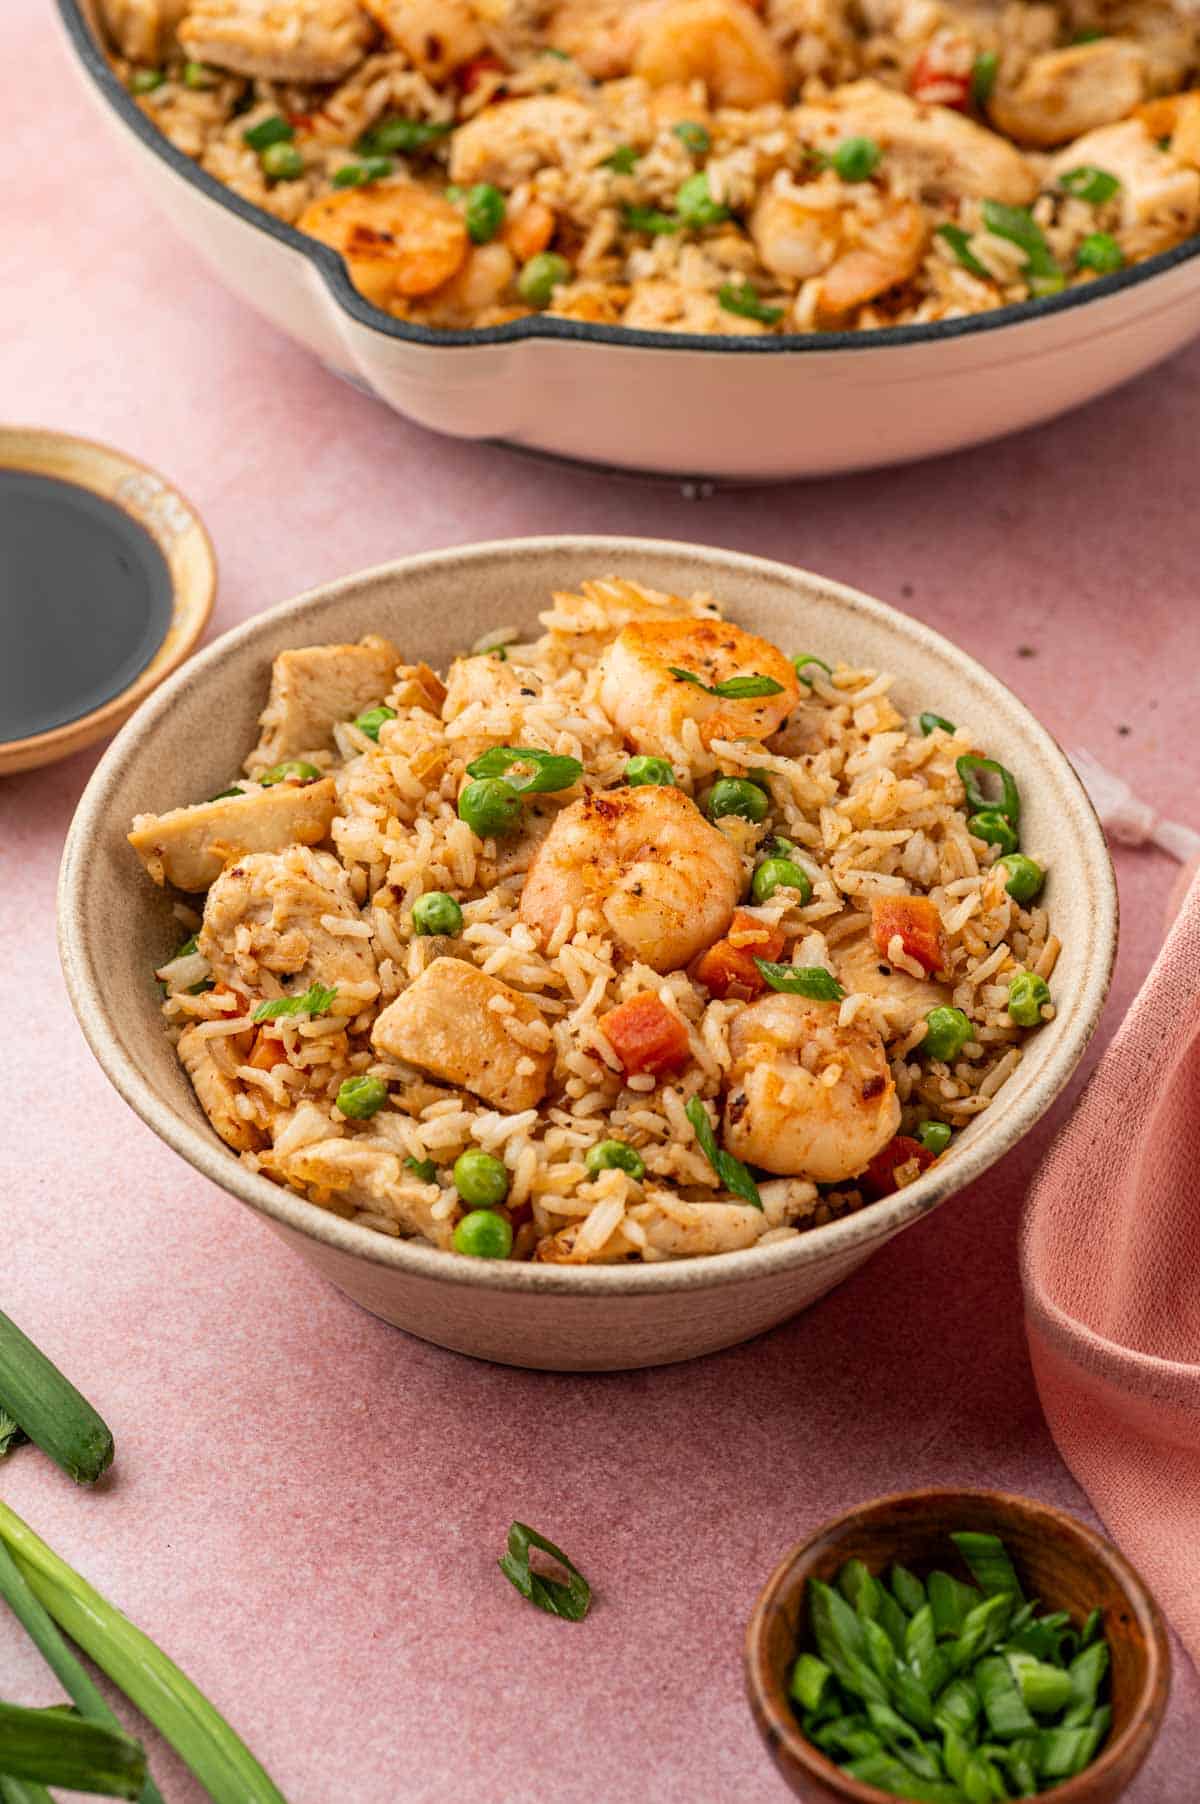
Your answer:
<point x="85" y="602"/>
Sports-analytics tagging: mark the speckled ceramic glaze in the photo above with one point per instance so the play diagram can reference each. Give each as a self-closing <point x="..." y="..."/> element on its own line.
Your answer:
<point x="750" y="408"/>
<point x="1058" y="1560"/>
<point x="115" y="926"/>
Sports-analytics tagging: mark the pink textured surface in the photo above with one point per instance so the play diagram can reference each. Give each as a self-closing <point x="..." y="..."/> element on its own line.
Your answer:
<point x="307" y="1506"/>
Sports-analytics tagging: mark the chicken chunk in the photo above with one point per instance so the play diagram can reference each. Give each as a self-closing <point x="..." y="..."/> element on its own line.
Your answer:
<point x="511" y="141"/>
<point x="454" y="1022"/>
<point x="1065" y="92"/>
<point x="217" y="1092"/>
<point x="936" y="150"/>
<point x="281" y="912"/>
<point x="313" y="688"/>
<point x="1157" y="190"/>
<point x="904" y="997"/>
<point x="437" y="36"/>
<point x="371" y="1176"/>
<point x="142" y="30"/>
<point x="277" y="40"/>
<point x="190" y="847"/>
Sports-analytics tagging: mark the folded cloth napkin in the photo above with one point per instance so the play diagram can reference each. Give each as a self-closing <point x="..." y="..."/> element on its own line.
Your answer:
<point x="1111" y="1269"/>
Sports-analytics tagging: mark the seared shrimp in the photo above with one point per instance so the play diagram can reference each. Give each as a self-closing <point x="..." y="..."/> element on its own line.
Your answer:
<point x="722" y="43"/>
<point x="807" y="1097"/>
<point x="398" y="240"/>
<point x="437" y="36"/>
<point x="890" y="253"/>
<point x="646" y="865"/>
<point x="792" y="238"/>
<point x="650" y="705"/>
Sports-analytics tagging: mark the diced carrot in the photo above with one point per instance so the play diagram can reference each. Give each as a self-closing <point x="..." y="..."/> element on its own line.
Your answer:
<point x="268" y="1052"/>
<point x="934" y="83"/>
<point x="646" y="1035"/>
<point x="728" y="967"/>
<point x="879" y="1179"/>
<point x="472" y="73"/>
<point x="529" y="231"/>
<point x="919" y="925"/>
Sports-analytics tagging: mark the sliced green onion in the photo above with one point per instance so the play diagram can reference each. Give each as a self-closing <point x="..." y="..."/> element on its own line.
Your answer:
<point x="1001" y="1699"/>
<point x="960" y="243"/>
<point x="55" y="1747"/>
<point x="732" y="1173"/>
<point x="1101" y="252"/>
<point x="695" y="205"/>
<point x="35" y="1394"/>
<point x="651" y="220"/>
<point x="391" y="136"/>
<point x="745" y="300"/>
<point x="951" y="1602"/>
<point x="1089" y="183"/>
<point x="570" y="1599"/>
<point x="316" y="1000"/>
<point x="11" y="1433"/>
<point x="930" y="723"/>
<point x="1019" y="227"/>
<point x="425" y="1169"/>
<point x="1009" y="802"/>
<point x="841" y="1642"/>
<point x="199" y="76"/>
<point x="813" y="981"/>
<point x="733" y="689"/>
<point x="272" y="130"/>
<point x="807" y="657"/>
<point x="693" y="137"/>
<point x="622" y="161"/>
<point x="1044" y="1689"/>
<point x="984" y="70"/>
<point x="294" y="768"/>
<point x="987" y="1560"/>
<point x="907" y="1590"/>
<point x="1086" y="1674"/>
<point x="358" y="175"/>
<point x="982" y="1628"/>
<point x="525" y="768"/>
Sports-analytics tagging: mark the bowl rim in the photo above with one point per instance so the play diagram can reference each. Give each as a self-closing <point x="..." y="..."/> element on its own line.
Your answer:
<point x="208" y="1155"/>
<point x="330" y="267"/>
<point x="768" y="1700"/>
<point x="192" y="605"/>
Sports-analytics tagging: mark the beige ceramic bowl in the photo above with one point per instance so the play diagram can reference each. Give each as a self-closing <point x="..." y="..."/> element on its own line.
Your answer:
<point x="114" y="927"/>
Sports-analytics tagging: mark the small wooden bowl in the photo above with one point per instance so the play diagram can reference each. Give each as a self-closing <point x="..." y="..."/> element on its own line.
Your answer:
<point x="1059" y="1561"/>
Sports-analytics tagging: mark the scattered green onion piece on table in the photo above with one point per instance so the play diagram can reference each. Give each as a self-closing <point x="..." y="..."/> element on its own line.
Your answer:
<point x="614" y="1155"/>
<point x="960" y="243"/>
<point x="929" y="723"/>
<point x="994" y="828"/>
<point x="983" y="77"/>
<point x="694" y="203"/>
<point x="436" y="912"/>
<point x="570" y="1599"/>
<point x="1028" y="995"/>
<point x="856" y="159"/>
<point x="693" y="137"/>
<point x="491" y="808"/>
<point x="732" y="1173"/>
<point x="988" y="1563"/>
<point x="623" y="160"/>
<point x="745" y="300"/>
<point x="144" y="81"/>
<point x="780" y="873"/>
<point x="483" y="1234"/>
<point x="425" y="1169"/>
<point x="934" y="1136"/>
<point x="316" y="1000"/>
<point x="274" y="129"/>
<point x="650" y="219"/>
<point x="1008" y="803"/>
<point x="282" y="163"/>
<point x="153" y="1684"/>
<point x="1025" y="877"/>
<point x="484" y="210"/>
<point x="1100" y="252"/>
<point x="541" y="276"/>
<point x="49" y="1409"/>
<point x="813" y="981"/>
<point x="647" y="770"/>
<point x="802" y="659"/>
<point x="359" y="1098"/>
<point x="481" y="1179"/>
<point x="737" y="795"/>
<point x="527" y="768"/>
<point x="53" y="1747"/>
<point x="372" y="719"/>
<point x="1089" y="183"/>
<point x="292" y="769"/>
<point x="947" y="1031"/>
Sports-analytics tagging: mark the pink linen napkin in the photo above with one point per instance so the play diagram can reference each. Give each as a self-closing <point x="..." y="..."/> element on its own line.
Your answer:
<point x="1111" y="1269"/>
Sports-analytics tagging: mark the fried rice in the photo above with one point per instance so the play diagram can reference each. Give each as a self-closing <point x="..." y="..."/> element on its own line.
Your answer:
<point x="588" y="971"/>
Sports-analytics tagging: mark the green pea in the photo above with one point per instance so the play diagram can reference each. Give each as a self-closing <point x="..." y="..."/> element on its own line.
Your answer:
<point x="934" y="1136"/>
<point x="1101" y="252"/>
<point x="989" y="824"/>
<point x="362" y="1097"/>
<point x="1028" y="995"/>
<point x="484" y="210"/>
<point x="780" y="873"/>
<point x="484" y="1235"/>
<point x="370" y="722"/>
<point x="199" y="75"/>
<point x="609" y="1155"/>
<point x="281" y="163"/>
<point x="947" y="1031"/>
<point x="1025" y="876"/>
<point x="541" y="276"/>
<point x="734" y="795"/>
<point x="436" y="912"/>
<point x="144" y="81"/>
<point x="295" y="768"/>
<point x="695" y="205"/>
<point x="480" y="1180"/>
<point x="855" y="159"/>
<point x="643" y="769"/>
<point x="491" y="807"/>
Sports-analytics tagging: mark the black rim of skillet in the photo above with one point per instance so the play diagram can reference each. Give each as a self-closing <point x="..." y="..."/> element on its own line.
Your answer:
<point x="333" y="270"/>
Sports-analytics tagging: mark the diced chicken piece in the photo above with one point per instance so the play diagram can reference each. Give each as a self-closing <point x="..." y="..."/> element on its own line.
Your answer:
<point x="370" y="1176"/>
<point x="674" y="1230"/>
<point x="486" y="701"/>
<point x="437" y="36"/>
<point x="190" y="847"/>
<point x="315" y="687"/>
<point x="277" y="40"/>
<point x="1065" y="92"/>
<point x="1156" y="188"/>
<point x="142" y="29"/>
<point x="217" y="1092"/>
<point x="862" y="971"/>
<point x="509" y="142"/>
<point x="936" y="150"/>
<point x="451" y="1023"/>
<point x="281" y="913"/>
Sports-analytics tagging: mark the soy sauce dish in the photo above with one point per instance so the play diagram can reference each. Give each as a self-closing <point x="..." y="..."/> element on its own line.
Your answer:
<point x="956" y="1647"/>
<point x="106" y="583"/>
